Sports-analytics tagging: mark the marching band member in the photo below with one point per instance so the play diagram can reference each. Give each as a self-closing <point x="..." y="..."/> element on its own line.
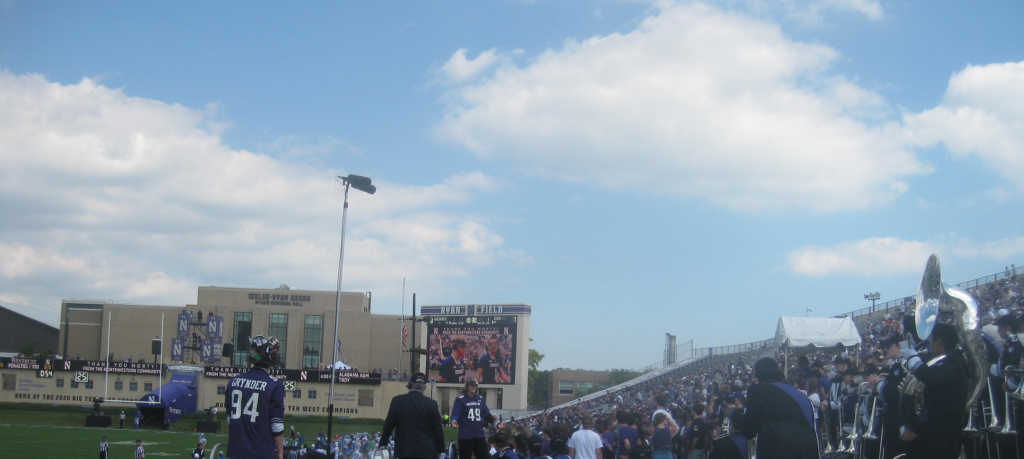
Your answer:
<point x="779" y="415"/>
<point x="888" y="389"/>
<point x="936" y="431"/>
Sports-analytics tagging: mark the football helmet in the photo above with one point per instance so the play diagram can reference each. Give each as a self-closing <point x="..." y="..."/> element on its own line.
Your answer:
<point x="264" y="351"/>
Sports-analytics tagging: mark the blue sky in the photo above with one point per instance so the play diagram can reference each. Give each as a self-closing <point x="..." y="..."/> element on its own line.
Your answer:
<point x="627" y="168"/>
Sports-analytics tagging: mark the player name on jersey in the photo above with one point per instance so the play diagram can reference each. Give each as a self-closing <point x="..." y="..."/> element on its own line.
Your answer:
<point x="243" y="383"/>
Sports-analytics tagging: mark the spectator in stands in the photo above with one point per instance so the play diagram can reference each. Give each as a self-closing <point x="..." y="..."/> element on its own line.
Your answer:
<point x="803" y="367"/>
<point x="585" y="443"/>
<point x="607" y="439"/>
<point x="662" y="407"/>
<point x="697" y="435"/>
<point x="627" y="435"/>
<point x="661" y="435"/>
<point x="559" y="449"/>
<point x="814" y="395"/>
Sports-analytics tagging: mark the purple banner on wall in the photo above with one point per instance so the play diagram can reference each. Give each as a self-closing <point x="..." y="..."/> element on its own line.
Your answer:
<point x="182" y="325"/>
<point x="177" y="349"/>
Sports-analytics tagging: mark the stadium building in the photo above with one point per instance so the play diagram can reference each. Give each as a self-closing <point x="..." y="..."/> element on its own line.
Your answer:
<point x="205" y="344"/>
<point x="22" y="327"/>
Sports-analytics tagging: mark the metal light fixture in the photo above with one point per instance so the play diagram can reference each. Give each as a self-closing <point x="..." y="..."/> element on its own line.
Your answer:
<point x="363" y="184"/>
<point x="873" y="297"/>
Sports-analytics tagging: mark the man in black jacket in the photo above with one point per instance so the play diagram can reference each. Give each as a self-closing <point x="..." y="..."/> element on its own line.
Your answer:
<point x="416" y="422"/>
<point x="936" y="431"/>
<point x="779" y="415"/>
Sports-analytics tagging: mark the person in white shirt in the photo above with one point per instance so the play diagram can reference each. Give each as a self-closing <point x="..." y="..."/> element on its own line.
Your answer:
<point x="662" y="401"/>
<point x="585" y="443"/>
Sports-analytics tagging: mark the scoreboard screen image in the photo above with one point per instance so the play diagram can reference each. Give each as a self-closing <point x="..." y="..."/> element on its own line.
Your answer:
<point x="477" y="347"/>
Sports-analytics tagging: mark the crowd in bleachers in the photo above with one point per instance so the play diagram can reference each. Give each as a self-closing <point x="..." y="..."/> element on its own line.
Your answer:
<point x="700" y="397"/>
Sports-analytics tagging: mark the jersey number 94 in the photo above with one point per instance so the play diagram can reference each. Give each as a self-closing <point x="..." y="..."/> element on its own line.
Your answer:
<point x="251" y="408"/>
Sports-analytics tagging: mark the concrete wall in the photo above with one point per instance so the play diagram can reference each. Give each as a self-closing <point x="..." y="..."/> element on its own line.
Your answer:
<point x="17" y="330"/>
<point x="31" y="388"/>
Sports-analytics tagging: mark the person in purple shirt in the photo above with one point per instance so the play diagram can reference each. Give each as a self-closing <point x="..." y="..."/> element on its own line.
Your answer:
<point x="468" y="415"/>
<point x="661" y="436"/>
<point x="628" y="437"/>
<point x="254" y="402"/>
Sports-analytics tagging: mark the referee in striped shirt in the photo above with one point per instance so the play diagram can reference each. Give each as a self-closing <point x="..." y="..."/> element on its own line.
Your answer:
<point x="139" y="452"/>
<point x="104" y="447"/>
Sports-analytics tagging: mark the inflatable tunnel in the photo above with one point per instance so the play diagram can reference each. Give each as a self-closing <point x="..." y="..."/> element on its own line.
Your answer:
<point x="170" y="402"/>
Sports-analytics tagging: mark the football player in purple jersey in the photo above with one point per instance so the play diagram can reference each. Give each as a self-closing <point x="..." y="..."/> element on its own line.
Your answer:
<point x="469" y="415"/>
<point x="254" y="402"/>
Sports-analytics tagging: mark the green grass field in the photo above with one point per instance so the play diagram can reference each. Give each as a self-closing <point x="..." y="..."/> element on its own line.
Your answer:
<point x="54" y="432"/>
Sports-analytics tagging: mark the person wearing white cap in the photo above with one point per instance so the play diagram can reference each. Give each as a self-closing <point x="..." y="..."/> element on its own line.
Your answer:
<point x="1003" y="312"/>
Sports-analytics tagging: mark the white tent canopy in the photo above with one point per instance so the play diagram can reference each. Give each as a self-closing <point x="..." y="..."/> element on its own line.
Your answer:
<point x="798" y="332"/>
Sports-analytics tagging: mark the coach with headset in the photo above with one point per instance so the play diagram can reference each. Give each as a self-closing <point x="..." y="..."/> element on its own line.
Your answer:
<point x="416" y="423"/>
<point x="469" y="415"/>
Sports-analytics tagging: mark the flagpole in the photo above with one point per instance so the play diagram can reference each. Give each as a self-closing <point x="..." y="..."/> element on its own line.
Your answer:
<point x="401" y="333"/>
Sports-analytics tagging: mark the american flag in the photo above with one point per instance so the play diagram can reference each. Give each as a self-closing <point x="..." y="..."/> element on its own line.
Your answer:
<point x="405" y="333"/>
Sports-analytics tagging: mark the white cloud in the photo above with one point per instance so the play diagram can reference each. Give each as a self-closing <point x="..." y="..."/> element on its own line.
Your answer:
<point x="880" y="256"/>
<point x="982" y="113"/>
<point x="694" y="103"/>
<point x="872" y="256"/>
<point x="110" y="196"/>
<point x="458" y="68"/>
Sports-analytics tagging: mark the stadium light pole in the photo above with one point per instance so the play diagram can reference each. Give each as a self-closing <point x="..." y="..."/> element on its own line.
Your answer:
<point x="873" y="297"/>
<point x="363" y="184"/>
